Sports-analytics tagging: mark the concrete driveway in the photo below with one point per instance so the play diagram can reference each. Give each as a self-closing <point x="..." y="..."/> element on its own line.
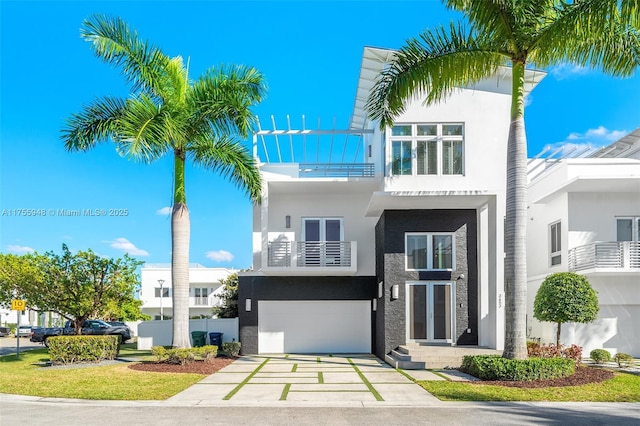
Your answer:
<point x="306" y="380"/>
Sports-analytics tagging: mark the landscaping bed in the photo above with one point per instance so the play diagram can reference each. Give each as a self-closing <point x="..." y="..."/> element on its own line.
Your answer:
<point x="582" y="376"/>
<point x="197" y="367"/>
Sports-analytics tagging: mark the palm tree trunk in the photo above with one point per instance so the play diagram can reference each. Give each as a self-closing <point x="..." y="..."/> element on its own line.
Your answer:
<point x="180" y="233"/>
<point x="515" y="279"/>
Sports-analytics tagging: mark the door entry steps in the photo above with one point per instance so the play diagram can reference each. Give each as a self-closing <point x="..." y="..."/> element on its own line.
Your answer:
<point x="421" y="357"/>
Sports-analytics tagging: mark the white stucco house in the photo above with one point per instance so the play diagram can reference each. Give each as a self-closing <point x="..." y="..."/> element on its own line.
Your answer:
<point x="204" y="285"/>
<point x="374" y="241"/>
<point x="585" y="217"/>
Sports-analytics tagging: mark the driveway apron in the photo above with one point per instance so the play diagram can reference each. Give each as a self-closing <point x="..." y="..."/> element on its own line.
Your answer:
<point x="306" y="380"/>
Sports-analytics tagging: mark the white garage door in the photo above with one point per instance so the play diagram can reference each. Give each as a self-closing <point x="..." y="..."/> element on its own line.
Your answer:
<point x="336" y="326"/>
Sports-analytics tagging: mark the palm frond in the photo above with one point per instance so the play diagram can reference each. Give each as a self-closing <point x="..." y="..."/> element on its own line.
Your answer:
<point x="432" y="67"/>
<point x="574" y="37"/>
<point x="231" y="159"/>
<point x="222" y="99"/>
<point x="145" y="130"/>
<point x="95" y="123"/>
<point x="112" y="41"/>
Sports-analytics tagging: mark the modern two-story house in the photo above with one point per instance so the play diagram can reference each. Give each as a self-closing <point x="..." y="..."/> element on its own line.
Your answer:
<point x="368" y="239"/>
<point x="585" y="217"/>
<point x="204" y="285"/>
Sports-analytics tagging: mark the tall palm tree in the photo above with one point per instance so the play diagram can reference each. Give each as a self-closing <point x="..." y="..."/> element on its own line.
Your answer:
<point x="516" y="33"/>
<point x="199" y="120"/>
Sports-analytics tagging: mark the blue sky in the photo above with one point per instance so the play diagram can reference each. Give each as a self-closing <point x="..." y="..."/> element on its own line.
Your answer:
<point x="310" y="53"/>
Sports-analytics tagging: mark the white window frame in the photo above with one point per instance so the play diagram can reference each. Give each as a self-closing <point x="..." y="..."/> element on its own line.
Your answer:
<point x="323" y="226"/>
<point x="430" y="236"/>
<point x="555" y="255"/>
<point x="635" y="227"/>
<point x="165" y="291"/>
<point x="414" y="138"/>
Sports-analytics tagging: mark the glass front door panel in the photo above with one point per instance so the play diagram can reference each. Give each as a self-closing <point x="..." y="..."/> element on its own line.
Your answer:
<point x="442" y="312"/>
<point x="418" y="312"/>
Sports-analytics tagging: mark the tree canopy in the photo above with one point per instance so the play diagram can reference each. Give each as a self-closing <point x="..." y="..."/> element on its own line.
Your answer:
<point x="76" y="286"/>
<point x="229" y="297"/>
<point x="565" y="297"/>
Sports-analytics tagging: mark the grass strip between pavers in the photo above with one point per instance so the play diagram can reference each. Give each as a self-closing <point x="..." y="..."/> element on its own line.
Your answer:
<point x="285" y="392"/>
<point x="245" y="381"/>
<point x="318" y="360"/>
<point x="405" y="374"/>
<point x="365" y="381"/>
<point x="320" y="377"/>
<point x="439" y="374"/>
<point x="294" y="368"/>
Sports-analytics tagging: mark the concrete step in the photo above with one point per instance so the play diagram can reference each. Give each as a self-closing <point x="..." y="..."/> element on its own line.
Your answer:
<point x="403" y="364"/>
<point x="436" y="356"/>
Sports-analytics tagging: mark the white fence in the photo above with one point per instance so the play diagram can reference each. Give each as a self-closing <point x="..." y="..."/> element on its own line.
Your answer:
<point x="159" y="333"/>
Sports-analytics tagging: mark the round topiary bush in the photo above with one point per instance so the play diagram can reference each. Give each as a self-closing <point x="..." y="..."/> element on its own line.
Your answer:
<point x="624" y="360"/>
<point x="600" y="356"/>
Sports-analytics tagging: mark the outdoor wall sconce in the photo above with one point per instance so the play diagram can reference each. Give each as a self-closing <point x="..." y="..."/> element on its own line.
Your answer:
<point x="395" y="289"/>
<point x="380" y="289"/>
<point x="369" y="151"/>
<point x="247" y="305"/>
<point x="374" y="304"/>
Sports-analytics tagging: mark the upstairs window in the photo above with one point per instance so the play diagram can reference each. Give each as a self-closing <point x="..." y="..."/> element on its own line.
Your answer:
<point x="429" y="251"/>
<point x="628" y="228"/>
<point x="555" y="247"/>
<point x="164" y="290"/>
<point x="427" y="149"/>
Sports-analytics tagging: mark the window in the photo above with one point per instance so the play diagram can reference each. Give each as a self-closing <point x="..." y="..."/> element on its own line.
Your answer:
<point x="201" y="296"/>
<point x="555" y="237"/>
<point x="628" y="228"/>
<point x="429" y="251"/>
<point x="427" y="149"/>
<point x="165" y="291"/>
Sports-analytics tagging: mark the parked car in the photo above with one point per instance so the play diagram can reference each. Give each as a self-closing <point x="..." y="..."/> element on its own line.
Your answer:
<point x="89" y="327"/>
<point x="4" y="331"/>
<point x="23" y="331"/>
<point x="121" y="324"/>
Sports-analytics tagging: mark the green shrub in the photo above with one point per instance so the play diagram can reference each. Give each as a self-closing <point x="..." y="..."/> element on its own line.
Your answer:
<point x="624" y="360"/>
<point x="208" y="353"/>
<point x="600" y="356"/>
<point x="495" y="367"/>
<point x="181" y="356"/>
<point x="231" y="348"/>
<point x="70" y="349"/>
<point x="160" y="352"/>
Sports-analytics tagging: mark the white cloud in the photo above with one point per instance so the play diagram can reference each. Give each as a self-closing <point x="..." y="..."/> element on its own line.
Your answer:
<point x="19" y="249"/>
<point x="566" y="70"/>
<point x="127" y="247"/>
<point x="165" y="211"/>
<point x="528" y="100"/>
<point x="598" y="136"/>
<point x="219" y="255"/>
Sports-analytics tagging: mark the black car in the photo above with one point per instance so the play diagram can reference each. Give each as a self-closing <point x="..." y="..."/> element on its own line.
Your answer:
<point x="4" y="331"/>
<point x="121" y="324"/>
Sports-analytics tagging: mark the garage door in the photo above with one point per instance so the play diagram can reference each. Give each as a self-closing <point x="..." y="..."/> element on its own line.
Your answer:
<point x="342" y="326"/>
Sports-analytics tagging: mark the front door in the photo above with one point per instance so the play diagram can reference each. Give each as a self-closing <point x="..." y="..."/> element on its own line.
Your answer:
<point x="430" y="312"/>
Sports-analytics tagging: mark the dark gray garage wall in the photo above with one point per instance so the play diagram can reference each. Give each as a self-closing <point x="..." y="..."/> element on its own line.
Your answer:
<point x="390" y="268"/>
<point x="259" y="288"/>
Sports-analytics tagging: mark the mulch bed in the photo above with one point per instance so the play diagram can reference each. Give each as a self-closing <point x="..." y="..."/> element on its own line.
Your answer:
<point x="582" y="376"/>
<point x="197" y="367"/>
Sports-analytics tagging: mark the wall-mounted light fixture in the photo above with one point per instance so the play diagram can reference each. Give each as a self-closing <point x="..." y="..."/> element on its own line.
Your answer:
<point x="374" y="304"/>
<point x="247" y="305"/>
<point x="287" y="221"/>
<point x="369" y="151"/>
<point x="395" y="291"/>
<point x="380" y="289"/>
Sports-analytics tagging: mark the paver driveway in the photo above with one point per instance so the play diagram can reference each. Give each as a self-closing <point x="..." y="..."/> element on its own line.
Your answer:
<point x="306" y="380"/>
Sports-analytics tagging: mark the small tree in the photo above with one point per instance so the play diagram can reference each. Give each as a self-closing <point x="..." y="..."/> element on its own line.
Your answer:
<point x="565" y="297"/>
<point x="229" y="296"/>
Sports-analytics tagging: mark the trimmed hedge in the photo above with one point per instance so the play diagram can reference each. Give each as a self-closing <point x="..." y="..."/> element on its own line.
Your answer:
<point x="495" y="367"/>
<point x="600" y="356"/>
<point x="71" y="349"/>
<point x="184" y="355"/>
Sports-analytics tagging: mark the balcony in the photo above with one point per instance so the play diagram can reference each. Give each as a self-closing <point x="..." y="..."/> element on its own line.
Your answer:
<point x="311" y="258"/>
<point x="606" y="257"/>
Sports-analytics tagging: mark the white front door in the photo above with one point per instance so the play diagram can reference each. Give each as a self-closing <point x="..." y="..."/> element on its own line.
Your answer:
<point x="430" y="312"/>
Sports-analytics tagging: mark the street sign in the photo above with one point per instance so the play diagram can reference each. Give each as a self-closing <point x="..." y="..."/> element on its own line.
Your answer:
<point x="18" y="305"/>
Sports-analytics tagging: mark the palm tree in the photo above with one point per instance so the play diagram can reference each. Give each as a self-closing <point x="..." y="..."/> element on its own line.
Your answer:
<point x="594" y="33"/>
<point x="199" y="120"/>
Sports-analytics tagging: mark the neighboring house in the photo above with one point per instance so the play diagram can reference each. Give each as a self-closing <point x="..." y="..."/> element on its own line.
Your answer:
<point x="366" y="240"/>
<point x="204" y="285"/>
<point x="585" y="217"/>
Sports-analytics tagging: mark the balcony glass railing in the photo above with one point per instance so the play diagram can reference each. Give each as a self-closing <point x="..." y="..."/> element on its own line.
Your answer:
<point x="610" y="255"/>
<point x="309" y="254"/>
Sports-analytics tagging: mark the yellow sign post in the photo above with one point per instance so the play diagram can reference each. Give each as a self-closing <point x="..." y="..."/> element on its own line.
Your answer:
<point x="18" y="305"/>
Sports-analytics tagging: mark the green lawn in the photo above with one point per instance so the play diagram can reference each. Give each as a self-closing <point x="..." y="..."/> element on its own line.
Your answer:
<point x="624" y="387"/>
<point x="27" y="377"/>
